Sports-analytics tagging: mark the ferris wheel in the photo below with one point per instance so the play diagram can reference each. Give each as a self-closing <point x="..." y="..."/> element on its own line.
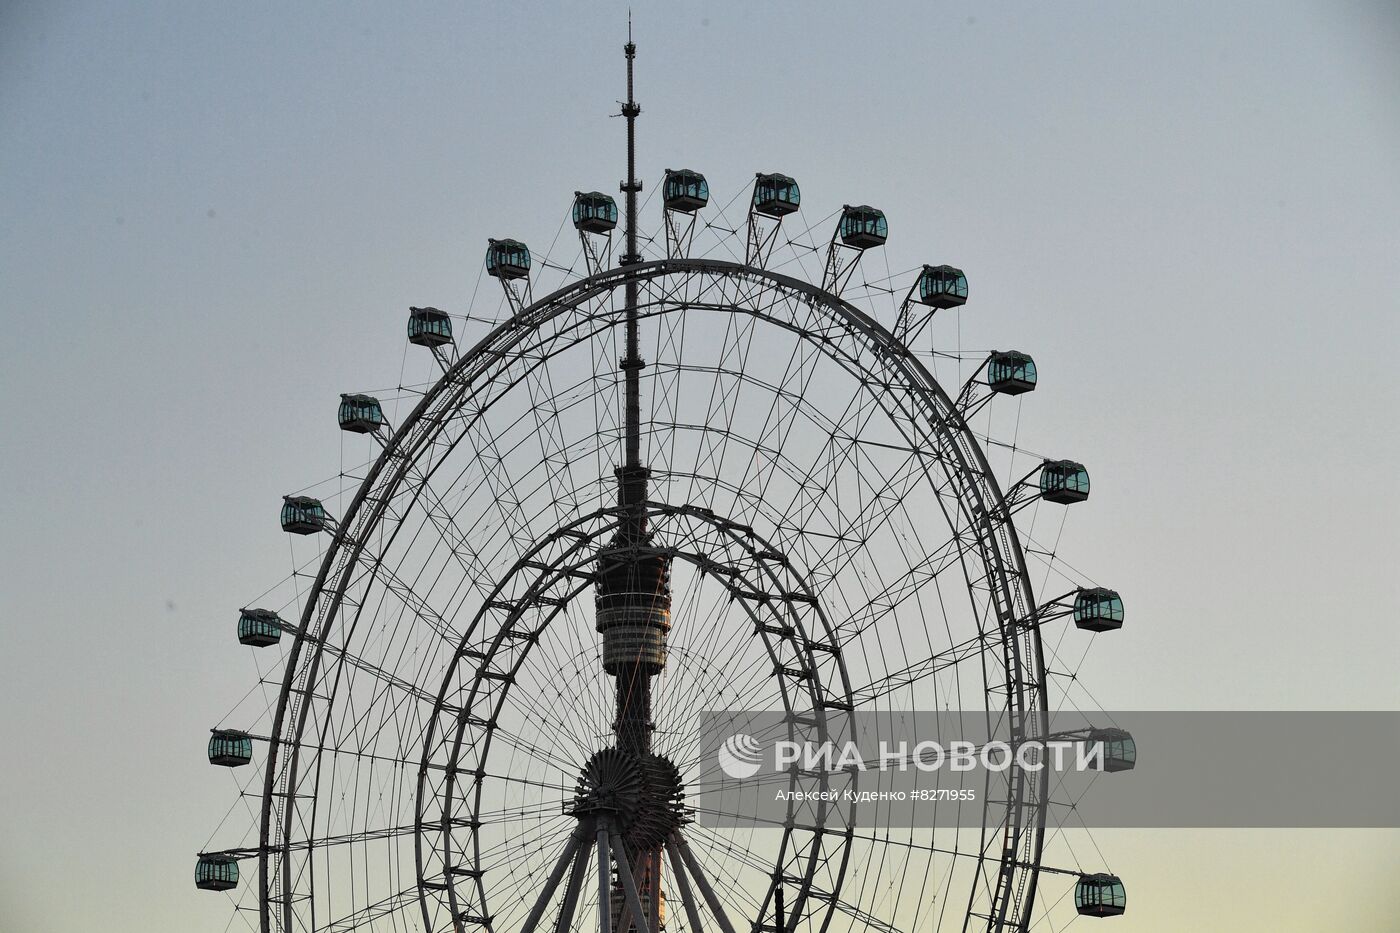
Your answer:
<point x="716" y="473"/>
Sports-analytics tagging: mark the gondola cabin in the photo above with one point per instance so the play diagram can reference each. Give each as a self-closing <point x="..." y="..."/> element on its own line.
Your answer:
<point x="230" y="748"/>
<point x="303" y="515"/>
<point x="1064" y="482"/>
<point x="776" y="195"/>
<point x="1098" y="610"/>
<point x="360" y="414"/>
<point x="429" y="327"/>
<point x="684" y="191"/>
<point x="1010" y="372"/>
<point x="1100" y="895"/>
<point x="594" y="212"/>
<point x="507" y="259"/>
<point x="216" y="873"/>
<point x="942" y="287"/>
<point x="863" y="227"/>
<point x="259" y="628"/>
<point x="1119" y="749"/>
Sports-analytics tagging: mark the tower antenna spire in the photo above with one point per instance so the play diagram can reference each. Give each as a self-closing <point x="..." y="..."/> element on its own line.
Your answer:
<point x="632" y="478"/>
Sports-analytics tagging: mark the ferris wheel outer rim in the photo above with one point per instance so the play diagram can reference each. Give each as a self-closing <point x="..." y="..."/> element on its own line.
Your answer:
<point x="580" y="290"/>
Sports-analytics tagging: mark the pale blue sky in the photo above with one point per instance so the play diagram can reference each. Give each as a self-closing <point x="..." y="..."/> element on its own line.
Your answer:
<point x="215" y="216"/>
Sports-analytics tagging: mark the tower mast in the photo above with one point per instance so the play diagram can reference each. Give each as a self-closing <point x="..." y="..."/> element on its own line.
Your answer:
<point x="632" y="494"/>
<point x="634" y="577"/>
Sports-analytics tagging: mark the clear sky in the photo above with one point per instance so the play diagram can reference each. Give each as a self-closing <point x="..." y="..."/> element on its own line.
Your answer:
<point x="214" y="216"/>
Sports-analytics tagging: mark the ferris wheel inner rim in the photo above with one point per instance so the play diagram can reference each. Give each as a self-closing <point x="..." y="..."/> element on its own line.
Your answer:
<point x="756" y="547"/>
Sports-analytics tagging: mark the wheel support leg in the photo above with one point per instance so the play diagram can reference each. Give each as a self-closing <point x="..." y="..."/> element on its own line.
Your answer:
<point x="692" y="913"/>
<point x="677" y="843"/>
<point x="604" y="882"/>
<point x="571" y="850"/>
<point x="581" y="860"/>
<point x="629" y="883"/>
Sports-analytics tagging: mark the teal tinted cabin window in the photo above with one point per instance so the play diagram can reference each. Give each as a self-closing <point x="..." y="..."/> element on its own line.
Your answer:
<point x="1119" y="749"/>
<point x="360" y="414"/>
<point x="1100" y="895"/>
<point x="429" y="327"/>
<point x="1064" y="481"/>
<point x="302" y="515"/>
<point x="942" y="286"/>
<point x="863" y="227"/>
<point x="216" y="873"/>
<point x="1011" y="372"/>
<point x="230" y="749"/>
<point x="594" y="212"/>
<point x="1098" y="609"/>
<point x="507" y="259"/>
<point x="259" y="628"/>
<point x="776" y="195"/>
<point x="685" y="191"/>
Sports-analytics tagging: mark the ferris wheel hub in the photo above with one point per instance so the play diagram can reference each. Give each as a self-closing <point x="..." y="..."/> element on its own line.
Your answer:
<point x="641" y="794"/>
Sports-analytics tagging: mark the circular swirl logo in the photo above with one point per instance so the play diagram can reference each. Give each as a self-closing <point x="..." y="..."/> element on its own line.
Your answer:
<point x="741" y="756"/>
